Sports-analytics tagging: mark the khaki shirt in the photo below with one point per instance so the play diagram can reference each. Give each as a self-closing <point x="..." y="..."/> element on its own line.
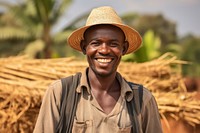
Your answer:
<point x="90" y="118"/>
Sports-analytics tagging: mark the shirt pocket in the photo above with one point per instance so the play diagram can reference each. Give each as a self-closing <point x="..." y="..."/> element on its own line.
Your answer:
<point x="82" y="126"/>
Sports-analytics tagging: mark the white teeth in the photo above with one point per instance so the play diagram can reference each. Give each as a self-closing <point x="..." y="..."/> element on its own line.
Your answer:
<point x="104" y="60"/>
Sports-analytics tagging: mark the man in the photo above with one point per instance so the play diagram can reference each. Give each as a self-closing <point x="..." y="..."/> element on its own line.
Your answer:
<point x="106" y="101"/>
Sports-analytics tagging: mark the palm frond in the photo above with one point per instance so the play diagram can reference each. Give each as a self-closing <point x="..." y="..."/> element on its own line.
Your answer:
<point x="34" y="47"/>
<point x="8" y="33"/>
<point x="24" y="16"/>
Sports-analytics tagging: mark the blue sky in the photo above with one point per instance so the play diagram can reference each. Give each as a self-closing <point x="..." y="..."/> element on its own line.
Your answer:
<point x="185" y="13"/>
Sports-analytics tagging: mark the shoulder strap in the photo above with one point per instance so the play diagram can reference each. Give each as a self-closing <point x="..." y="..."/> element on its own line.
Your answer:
<point x="69" y="100"/>
<point x="135" y="106"/>
<point x="138" y="95"/>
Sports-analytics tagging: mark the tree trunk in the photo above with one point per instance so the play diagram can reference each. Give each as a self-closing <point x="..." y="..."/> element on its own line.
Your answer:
<point x="47" y="40"/>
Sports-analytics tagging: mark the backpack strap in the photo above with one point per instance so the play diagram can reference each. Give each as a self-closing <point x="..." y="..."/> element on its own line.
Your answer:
<point x="135" y="106"/>
<point x="138" y="95"/>
<point x="69" y="100"/>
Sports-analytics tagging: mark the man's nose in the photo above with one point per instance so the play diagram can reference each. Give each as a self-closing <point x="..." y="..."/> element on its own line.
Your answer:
<point x="104" y="49"/>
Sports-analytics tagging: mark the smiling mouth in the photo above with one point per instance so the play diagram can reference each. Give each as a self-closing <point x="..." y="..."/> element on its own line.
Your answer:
<point x="104" y="60"/>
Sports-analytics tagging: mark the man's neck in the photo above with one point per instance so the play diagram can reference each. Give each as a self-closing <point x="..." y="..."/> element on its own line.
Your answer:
<point x="102" y="83"/>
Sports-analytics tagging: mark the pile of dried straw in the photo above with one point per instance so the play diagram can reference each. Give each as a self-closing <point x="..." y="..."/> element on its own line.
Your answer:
<point x="23" y="82"/>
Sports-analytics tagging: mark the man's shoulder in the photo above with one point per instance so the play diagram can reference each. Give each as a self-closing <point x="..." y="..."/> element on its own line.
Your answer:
<point x="147" y="95"/>
<point x="55" y="84"/>
<point x="58" y="83"/>
<point x="55" y="88"/>
<point x="146" y="91"/>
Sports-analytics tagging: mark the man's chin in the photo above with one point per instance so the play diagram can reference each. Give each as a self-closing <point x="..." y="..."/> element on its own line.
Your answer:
<point x="104" y="73"/>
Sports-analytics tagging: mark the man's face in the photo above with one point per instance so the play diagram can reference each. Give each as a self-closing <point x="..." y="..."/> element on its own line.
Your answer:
<point x="104" y="46"/>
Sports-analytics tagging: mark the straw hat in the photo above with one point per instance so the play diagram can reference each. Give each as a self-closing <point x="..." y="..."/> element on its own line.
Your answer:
<point x="106" y="15"/>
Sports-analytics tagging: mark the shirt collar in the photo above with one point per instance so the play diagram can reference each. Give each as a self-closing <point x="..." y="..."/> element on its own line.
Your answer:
<point x="83" y="82"/>
<point x="126" y="91"/>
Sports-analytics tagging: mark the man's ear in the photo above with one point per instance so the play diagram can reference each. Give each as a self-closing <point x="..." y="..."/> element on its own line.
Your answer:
<point x="125" y="47"/>
<point x="83" y="46"/>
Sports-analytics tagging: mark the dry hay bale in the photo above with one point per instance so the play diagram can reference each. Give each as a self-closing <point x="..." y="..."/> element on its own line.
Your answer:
<point x="23" y="84"/>
<point x="162" y="74"/>
<point x="19" y="107"/>
<point x="156" y="75"/>
<point x="179" y="106"/>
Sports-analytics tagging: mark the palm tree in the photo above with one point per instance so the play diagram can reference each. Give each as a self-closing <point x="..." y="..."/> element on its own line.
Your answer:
<point x="32" y="21"/>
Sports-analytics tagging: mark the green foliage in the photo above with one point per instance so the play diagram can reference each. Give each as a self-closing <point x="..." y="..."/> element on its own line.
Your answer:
<point x="187" y="49"/>
<point x="161" y="26"/>
<point x="149" y="50"/>
<point x="190" y="52"/>
<point x="10" y="33"/>
<point x="32" y="22"/>
<point x="10" y="48"/>
<point x="34" y="48"/>
<point x="129" y="18"/>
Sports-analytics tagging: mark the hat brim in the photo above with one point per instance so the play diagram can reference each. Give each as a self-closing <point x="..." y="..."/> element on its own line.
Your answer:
<point x="132" y="36"/>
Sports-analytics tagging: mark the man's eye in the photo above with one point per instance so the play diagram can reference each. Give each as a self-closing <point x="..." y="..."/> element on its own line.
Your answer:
<point x="113" y="44"/>
<point x="95" y="43"/>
